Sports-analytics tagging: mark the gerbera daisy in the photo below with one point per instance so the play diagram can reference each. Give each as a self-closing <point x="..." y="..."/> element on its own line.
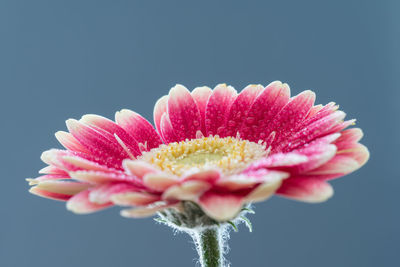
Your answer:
<point x="211" y="154"/>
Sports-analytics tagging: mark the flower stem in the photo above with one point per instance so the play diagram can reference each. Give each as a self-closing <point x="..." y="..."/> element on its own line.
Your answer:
<point x="209" y="245"/>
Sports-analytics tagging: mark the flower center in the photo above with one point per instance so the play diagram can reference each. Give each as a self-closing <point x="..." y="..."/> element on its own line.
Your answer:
<point x="229" y="154"/>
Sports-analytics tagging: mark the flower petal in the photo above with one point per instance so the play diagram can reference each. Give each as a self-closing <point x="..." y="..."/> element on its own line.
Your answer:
<point x="100" y="124"/>
<point x="317" y="155"/>
<point x="291" y="115"/>
<point x="314" y="110"/>
<point x="159" y="181"/>
<point x="240" y="107"/>
<point x="167" y="131"/>
<point x="98" y="177"/>
<point x="146" y="211"/>
<point x="138" y="168"/>
<point x="98" y="143"/>
<point x="47" y="177"/>
<point x="263" y="191"/>
<point x="264" y="108"/>
<point x="70" y="142"/>
<point x="298" y="161"/>
<point x="340" y="126"/>
<point x="139" y="128"/>
<point x="312" y="131"/>
<point x="52" y="170"/>
<point x="306" y="189"/>
<point x="46" y="194"/>
<point x="62" y="187"/>
<point x="81" y="204"/>
<point x="278" y="160"/>
<point x="359" y="152"/>
<point x="102" y="194"/>
<point x="209" y="175"/>
<point x="189" y="190"/>
<point x="348" y="138"/>
<point x="217" y="109"/>
<point x="84" y="164"/>
<point x="340" y="165"/>
<point x="201" y="96"/>
<point x="159" y="109"/>
<point x="72" y="161"/>
<point x="219" y="206"/>
<point x="183" y="113"/>
<point x="250" y="179"/>
<point x="134" y="199"/>
<point x="343" y="163"/>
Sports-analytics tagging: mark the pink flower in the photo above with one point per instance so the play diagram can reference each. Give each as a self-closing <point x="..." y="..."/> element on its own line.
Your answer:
<point x="216" y="148"/>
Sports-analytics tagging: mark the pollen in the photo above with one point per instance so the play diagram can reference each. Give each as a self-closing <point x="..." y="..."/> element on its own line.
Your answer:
<point x="229" y="154"/>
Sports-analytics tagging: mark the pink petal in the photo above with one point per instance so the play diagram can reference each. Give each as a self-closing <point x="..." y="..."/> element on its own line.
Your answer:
<point x="183" y="113"/>
<point x="138" y="168"/>
<point x="345" y="162"/>
<point x="209" y="175"/>
<point x="314" y="110"/>
<point x="98" y="177"/>
<point x="348" y="138"/>
<point x="267" y="104"/>
<point x="102" y="194"/>
<point x="47" y="177"/>
<point x="219" y="206"/>
<point x="62" y="187"/>
<point x="278" y="160"/>
<point x="317" y="155"/>
<point x="359" y="152"/>
<point x="188" y="190"/>
<point x="84" y="164"/>
<point x="99" y="143"/>
<point x="263" y="191"/>
<point x="146" y="211"/>
<point x="159" y="181"/>
<point x="349" y="157"/>
<point x="62" y="159"/>
<point x="201" y="96"/>
<point x="138" y="127"/>
<point x="159" y="109"/>
<point x="318" y="112"/>
<point x="326" y="139"/>
<point x="301" y="160"/>
<point x="312" y="131"/>
<point x="240" y="107"/>
<point x="167" y="131"/>
<point x="54" y="157"/>
<point x="134" y="198"/>
<point x="52" y="170"/>
<point x="81" y="204"/>
<point x="69" y="142"/>
<point x="51" y="157"/>
<point x="100" y="123"/>
<point x="250" y="179"/>
<point x="306" y="189"/>
<point x="217" y="109"/>
<point x="43" y="193"/>
<point x="341" y="126"/>
<point x="340" y="165"/>
<point x="291" y="115"/>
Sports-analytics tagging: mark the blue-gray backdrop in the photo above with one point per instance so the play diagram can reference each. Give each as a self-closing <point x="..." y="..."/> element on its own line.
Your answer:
<point x="62" y="59"/>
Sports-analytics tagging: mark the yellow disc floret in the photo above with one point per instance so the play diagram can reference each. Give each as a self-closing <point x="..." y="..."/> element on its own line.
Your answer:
<point x="229" y="154"/>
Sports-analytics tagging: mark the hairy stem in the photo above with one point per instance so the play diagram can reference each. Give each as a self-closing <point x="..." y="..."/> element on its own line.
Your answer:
<point x="209" y="244"/>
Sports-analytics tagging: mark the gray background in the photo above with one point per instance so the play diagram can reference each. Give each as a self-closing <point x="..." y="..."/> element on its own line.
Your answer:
<point x="62" y="59"/>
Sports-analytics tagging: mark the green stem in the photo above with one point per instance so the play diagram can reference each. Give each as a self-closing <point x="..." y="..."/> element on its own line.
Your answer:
<point x="209" y="246"/>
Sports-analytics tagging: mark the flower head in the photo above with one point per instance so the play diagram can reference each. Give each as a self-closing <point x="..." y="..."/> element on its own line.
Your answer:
<point x="214" y="151"/>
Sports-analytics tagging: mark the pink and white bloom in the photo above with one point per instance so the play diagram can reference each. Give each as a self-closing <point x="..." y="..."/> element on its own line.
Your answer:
<point x="217" y="148"/>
